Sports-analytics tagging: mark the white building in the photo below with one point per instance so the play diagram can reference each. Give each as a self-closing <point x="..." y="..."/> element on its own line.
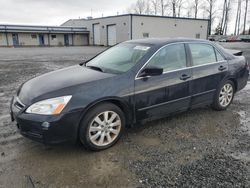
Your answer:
<point x="114" y="29"/>
<point x="21" y="35"/>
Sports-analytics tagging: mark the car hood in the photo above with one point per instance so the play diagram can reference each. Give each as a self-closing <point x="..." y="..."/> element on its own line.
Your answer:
<point x="58" y="80"/>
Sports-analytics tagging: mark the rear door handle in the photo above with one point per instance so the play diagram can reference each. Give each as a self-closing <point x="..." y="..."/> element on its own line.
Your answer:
<point x="222" y="68"/>
<point x="185" y="77"/>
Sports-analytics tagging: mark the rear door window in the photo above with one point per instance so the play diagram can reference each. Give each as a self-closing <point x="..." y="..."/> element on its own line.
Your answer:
<point x="219" y="56"/>
<point x="202" y="54"/>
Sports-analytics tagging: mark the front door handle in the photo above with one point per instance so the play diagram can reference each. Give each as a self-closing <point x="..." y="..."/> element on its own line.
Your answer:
<point x="185" y="77"/>
<point x="222" y="68"/>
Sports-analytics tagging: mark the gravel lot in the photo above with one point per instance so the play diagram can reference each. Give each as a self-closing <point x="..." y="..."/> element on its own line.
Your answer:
<point x="199" y="148"/>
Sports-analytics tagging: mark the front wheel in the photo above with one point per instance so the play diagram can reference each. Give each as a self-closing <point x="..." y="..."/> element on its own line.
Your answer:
<point x="224" y="96"/>
<point x="102" y="127"/>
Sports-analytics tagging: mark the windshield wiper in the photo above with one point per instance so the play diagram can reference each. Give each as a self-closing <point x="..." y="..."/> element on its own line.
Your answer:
<point x="95" y="68"/>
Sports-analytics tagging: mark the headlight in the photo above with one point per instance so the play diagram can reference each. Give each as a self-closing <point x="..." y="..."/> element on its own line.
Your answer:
<point x="51" y="106"/>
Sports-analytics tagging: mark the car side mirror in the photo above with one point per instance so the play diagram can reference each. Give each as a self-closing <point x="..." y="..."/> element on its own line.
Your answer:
<point x="151" y="71"/>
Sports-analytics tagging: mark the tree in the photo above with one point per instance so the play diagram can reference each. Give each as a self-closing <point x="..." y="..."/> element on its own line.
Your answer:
<point x="163" y="5"/>
<point x="174" y="7"/>
<point x="179" y="7"/>
<point x="225" y="16"/>
<point x="196" y="5"/>
<point x="228" y="9"/>
<point x="245" y="17"/>
<point x="218" y="30"/>
<point x="148" y="7"/>
<point x="211" y="12"/>
<point x="237" y="21"/>
<point x="155" y="4"/>
<point x="189" y="10"/>
<point x="140" y="7"/>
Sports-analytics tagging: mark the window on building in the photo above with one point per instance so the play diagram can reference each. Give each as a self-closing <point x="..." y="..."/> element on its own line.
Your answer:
<point x="170" y="58"/>
<point x="198" y="35"/>
<point x="53" y="37"/>
<point x="145" y="35"/>
<point x="202" y="54"/>
<point x="33" y="36"/>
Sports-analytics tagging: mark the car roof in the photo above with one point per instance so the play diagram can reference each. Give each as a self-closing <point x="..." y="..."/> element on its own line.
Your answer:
<point x="159" y="42"/>
<point x="164" y="41"/>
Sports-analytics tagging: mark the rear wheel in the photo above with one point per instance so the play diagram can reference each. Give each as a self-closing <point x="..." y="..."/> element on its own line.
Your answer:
<point x="224" y="96"/>
<point x="102" y="127"/>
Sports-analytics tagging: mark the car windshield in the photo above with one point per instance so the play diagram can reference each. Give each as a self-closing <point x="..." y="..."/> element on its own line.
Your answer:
<point x="119" y="58"/>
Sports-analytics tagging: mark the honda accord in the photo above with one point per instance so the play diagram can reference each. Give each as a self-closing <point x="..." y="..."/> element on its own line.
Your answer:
<point x="130" y="83"/>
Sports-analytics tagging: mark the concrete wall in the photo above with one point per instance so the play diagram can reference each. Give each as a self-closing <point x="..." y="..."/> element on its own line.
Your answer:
<point x="9" y="36"/>
<point x="168" y="27"/>
<point x="2" y="39"/>
<point x="122" y="24"/>
<point x="25" y="39"/>
<point x="153" y="26"/>
<point x="80" y="40"/>
<point x="122" y="27"/>
<point x="58" y="41"/>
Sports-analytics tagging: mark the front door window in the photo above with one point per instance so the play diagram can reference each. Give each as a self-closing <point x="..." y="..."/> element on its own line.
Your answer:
<point x="170" y="58"/>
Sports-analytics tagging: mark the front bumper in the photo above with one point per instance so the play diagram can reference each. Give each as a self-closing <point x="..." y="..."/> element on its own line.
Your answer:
<point x="44" y="128"/>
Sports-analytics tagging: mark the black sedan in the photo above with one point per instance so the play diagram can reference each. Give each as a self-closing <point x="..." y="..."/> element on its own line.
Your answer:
<point x="130" y="83"/>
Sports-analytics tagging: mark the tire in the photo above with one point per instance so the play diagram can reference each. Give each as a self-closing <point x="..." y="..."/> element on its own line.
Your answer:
<point x="102" y="127"/>
<point x="224" y="94"/>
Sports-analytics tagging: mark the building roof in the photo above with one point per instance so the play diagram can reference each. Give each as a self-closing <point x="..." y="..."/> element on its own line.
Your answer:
<point x="142" y="15"/>
<point x="42" y="29"/>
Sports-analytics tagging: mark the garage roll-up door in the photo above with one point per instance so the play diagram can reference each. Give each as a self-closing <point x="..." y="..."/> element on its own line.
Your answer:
<point x="96" y="33"/>
<point x="111" y="35"/>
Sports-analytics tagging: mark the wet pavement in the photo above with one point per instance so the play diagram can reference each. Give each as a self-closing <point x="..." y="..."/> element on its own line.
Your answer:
<point x="199" y="148"/>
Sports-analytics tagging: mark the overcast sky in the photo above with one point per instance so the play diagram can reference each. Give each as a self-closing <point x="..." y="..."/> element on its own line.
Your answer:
<point x="55" y="12"/>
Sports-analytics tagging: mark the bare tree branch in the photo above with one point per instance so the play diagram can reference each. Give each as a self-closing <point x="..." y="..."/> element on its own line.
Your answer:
<point x="155" y="4"/>
<point x="163" y="5"/>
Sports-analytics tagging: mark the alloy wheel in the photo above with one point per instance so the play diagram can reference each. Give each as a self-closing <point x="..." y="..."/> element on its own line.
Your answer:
<point x="105" y="128"/>
<point x="226" y="95"/>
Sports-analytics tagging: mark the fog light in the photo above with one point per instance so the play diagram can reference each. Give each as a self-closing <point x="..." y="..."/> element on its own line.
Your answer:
<point x="45" y="125"/>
